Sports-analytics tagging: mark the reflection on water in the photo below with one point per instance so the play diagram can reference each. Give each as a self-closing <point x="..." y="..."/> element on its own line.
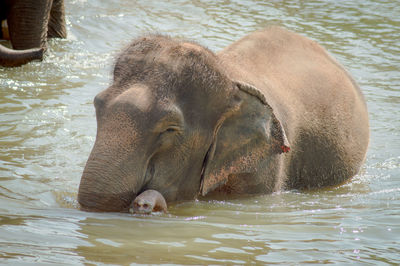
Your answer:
<point x="48" y="128"/>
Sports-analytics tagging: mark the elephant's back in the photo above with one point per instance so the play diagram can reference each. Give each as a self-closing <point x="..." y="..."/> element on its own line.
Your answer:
<point x="319" y="104"/>
<point x="290" y="69"/>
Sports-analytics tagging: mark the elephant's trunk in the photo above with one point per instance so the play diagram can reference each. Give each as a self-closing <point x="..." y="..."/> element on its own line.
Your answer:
<point x="103" y="187"/>
<point x="119" y="166"/>
<point x="14" y="58"/>
<point x="110" y="181"/>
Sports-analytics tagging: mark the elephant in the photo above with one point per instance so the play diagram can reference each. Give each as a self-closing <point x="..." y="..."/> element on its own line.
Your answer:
<point x="272" y="111"/>
<point x="30" y="23"/>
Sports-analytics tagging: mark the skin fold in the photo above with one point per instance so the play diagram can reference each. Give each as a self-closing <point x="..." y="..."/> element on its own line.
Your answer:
<point x="30" y="24"/>
<point x="271" y="111"/>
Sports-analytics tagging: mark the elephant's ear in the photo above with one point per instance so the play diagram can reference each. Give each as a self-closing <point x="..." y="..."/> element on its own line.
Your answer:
<point x="281" y="143"/>
<point x="244" y="141"/>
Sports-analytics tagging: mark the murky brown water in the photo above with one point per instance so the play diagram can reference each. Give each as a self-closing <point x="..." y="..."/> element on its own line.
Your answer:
<point x="48" y="128"/>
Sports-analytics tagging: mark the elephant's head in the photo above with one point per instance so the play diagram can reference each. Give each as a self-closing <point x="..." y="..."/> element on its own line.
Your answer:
<point x="157" y="124"/>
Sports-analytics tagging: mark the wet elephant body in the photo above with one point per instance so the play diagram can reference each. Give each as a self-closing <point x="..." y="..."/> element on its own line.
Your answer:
<point x="30" y="24"/>
<point x="272" y="111"/>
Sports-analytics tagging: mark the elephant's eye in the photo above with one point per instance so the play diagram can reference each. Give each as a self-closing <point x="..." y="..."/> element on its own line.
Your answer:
<point x="167" y="137"/>
<point x="172" y="129"/>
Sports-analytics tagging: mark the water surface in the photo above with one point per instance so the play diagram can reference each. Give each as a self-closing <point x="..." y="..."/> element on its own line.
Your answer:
<point x="48" y="128"/>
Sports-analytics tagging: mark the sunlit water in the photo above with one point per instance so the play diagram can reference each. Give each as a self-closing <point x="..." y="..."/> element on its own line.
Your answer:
<point x="48" y="128"/>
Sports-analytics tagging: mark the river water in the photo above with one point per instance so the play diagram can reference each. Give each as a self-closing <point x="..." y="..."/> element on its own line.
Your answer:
<point x="48" y="128"/>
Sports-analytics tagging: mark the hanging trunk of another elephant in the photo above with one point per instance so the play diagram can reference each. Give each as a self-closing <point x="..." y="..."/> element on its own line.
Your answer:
<point x="13" y="58"/>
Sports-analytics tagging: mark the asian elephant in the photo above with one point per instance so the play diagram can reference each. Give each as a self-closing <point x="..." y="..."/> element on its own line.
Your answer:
<point x="271" y="111"/>
<point x="30" y="23"/>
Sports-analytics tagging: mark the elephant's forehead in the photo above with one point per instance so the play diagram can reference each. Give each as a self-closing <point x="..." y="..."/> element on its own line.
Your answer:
<point x="139" y="96"/>
<point x="164" y="102"/>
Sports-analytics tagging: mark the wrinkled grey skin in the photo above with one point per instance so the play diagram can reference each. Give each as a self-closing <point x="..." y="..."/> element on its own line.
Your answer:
<point x="272" y="111"/>
<point x="30" y="23"/>
<point x="147" y="202"/>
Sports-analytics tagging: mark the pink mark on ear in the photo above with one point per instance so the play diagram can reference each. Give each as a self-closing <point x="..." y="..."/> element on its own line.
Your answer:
<point x="285" y="148"/>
